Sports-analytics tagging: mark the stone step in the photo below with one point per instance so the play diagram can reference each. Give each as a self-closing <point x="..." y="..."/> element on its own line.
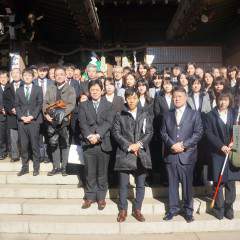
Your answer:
<point x="165" y="236"/>
<point x="7" y="166"/>
<point x="32" y="190"/>
<point x="72" y="207"/>
<point x="42" y="178"/>
<point x="107" y="224"/>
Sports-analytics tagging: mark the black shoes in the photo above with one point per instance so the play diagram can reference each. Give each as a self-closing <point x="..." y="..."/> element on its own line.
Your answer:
<point x="2" y="157"/>
<point x="169" y="216"/>
<point x="35" y="173"/>
<point x="14" y="160"/>
<point x="54" y="172"/>
<point x="64" y="172"/>
<point x="23" y="172"/>
<point x="188" y="218"/>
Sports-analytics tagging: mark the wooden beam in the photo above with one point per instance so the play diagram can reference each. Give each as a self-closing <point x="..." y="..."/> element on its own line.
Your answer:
<point x="186" y="14"/>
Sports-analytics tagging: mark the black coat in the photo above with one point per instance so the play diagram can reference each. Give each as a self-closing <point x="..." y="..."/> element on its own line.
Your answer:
<point x="189" y="131"/>
<point x="31" y="107"/>
<point x="9" y="103"/>
<point x="126" y="131"/>
<point x="148" y="107"/>
<point x="3" y="117"/>
<point x="117" y="103"/>
<point x="218" y="135"/>
<point x="100" y="123"/>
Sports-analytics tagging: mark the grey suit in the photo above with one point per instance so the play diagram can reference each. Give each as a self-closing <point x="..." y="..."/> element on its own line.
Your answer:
<point x="180" y="165"/>
<point x="68" y="95"/>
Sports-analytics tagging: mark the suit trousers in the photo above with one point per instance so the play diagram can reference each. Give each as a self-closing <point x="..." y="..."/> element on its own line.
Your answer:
<point x="14" y="143"/>
<point x="45" y="152"/>
<point x="140" y="177"/>
<point x="3" y="138"/>
<point x="179" y="173"/>
<point x="226" y="204"/>
<point x="61" y="149"/>
<point x="96" y="172"/>
<point x="29" y="136"/>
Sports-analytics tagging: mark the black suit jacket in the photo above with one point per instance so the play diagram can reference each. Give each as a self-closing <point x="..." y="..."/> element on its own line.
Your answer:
<point x="189" y="131"/>
<point x="2" y="116"/>
<point x="117" y="103"/>
<point x="96" y="123"/>
<point x="9" y="103"/>
<point x="32" y="107"/>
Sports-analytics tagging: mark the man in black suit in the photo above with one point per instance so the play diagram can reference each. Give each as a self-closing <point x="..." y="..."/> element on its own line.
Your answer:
<point x="74" y="130"/>
<point x="95" y="119"/>
<point x="3" y="118"/>
<point x="181" y="131"/>
<point x="9" y="106"/>
<point x="29" y="100"/>
<point x="43" y="82"/>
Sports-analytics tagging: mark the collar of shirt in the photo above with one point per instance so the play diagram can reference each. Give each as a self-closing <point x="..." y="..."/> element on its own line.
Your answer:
<point x="98" y="101"/>
<point x="29" y="87"/>
<point x="3" y="87"/>
<point x="133" y="113"/>
<point x="61" y="86"/>
<point x="110" y="97"/>
<point x="223" y="115"/>
<point x="40" y="81"/>
<point x="181" y="109"/>
<point x="233" y="82"/>
<point x="142" y="101"/>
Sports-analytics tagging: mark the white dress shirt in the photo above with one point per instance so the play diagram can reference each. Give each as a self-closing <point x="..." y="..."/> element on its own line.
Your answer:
<point x="223" y="115"/>
<point x="196" y="97"/>
<point x="169" y="100"/>
<point x="44" y="87"/>
<point x="179" y="113"/>
<point x="233" y="82"/>
<point x="29" y="87"/>
<point x="110" y="97"/>
<point x="134" y="114"/>
<point x="142" y="101"/>
<point x="16" y="85"/>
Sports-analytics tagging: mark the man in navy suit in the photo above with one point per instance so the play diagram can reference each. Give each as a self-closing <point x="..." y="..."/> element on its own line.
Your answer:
<point x="28" y="102"/>
<point x="43" y="82"/>
<point x="181" y="131"/>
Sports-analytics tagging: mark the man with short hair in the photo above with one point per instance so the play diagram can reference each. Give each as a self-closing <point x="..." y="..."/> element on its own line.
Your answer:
<point x="95" y="119"/>
<point x="4" y="78"/>
<point x="59" y="140"/>
<point x="28" y="102"/>
<point x="9" y="106"/>
<point x="181" y="131"/>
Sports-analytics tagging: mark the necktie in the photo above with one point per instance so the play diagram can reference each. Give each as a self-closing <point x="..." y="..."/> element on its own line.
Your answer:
<point x="27" y="93"/>
<point x="118" y="85"/>
<point x="95" y="105"/>
<point x="178" y="116"/>
<point x="42" y="85"/>
<point x="16" y="86"/>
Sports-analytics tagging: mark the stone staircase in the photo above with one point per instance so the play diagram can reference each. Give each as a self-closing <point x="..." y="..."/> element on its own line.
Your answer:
<point x="52" y="205"/>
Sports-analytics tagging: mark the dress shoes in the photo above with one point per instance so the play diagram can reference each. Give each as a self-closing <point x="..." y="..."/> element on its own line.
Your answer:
<point x="101" y="204"/>
<point x="189" y="218"/>
<point x="122" y="215"/>
<point x="64" y="172"/>
<point x="14" y="160"/>
<point x="54" y="172"/>
<point x="35" y="173"/>
<point x="229" y="214"/>
<point x="87" y="204"/>
<point x="22" y="172"/>
<point x="138" y="215"/>
<point x="169" y="216"/>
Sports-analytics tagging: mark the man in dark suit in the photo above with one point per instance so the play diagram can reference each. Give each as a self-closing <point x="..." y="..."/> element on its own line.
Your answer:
<point x="74" y="127"/>
<point x="95" y="119"/>
<point x="4" y="78"/>
<point x="28" y="102"/>
<point x="181" y="131"/>
<point x="9" y="106"/>
<point x="43" y="82"/>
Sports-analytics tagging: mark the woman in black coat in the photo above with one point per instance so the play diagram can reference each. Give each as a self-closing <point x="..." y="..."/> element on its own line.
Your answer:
<point x="132" y="130"/>
<point x="219" y="130"/>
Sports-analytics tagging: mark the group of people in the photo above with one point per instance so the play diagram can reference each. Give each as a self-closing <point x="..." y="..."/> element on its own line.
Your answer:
<point x="172" y="123"/>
